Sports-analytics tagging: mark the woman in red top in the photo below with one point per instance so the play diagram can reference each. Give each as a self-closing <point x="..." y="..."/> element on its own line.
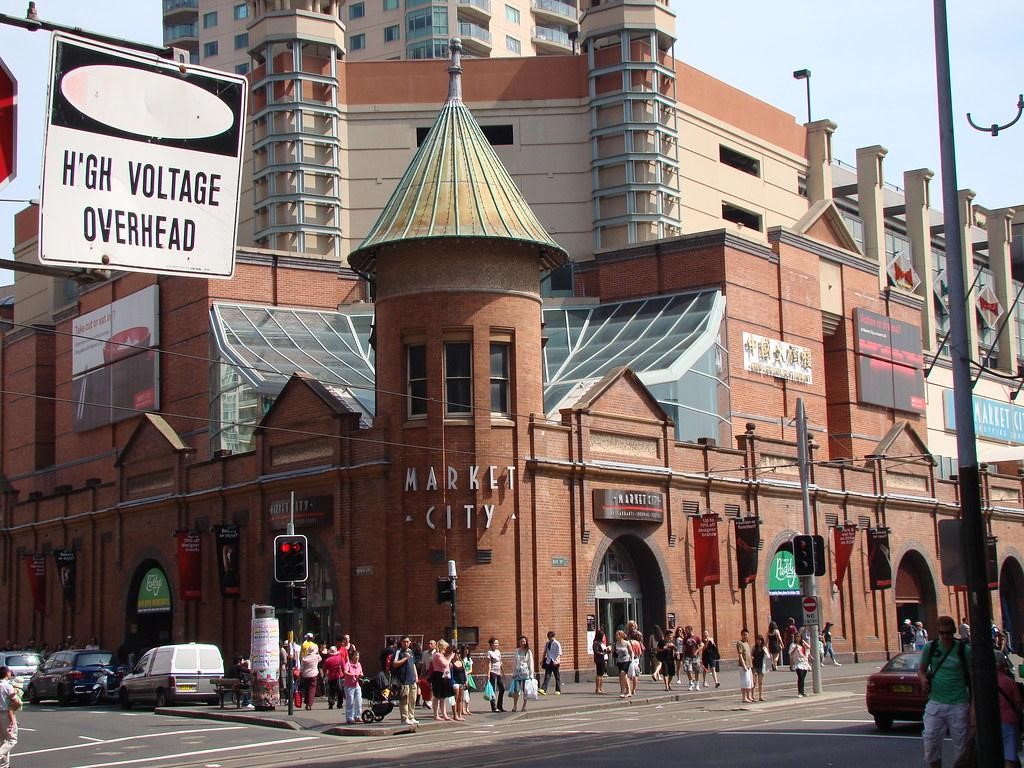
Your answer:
<point x="332" y="672"/>
<point x="440" y="680"/>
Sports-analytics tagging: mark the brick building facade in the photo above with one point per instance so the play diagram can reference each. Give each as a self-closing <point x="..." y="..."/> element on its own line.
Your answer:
<point x="572" y="503"/>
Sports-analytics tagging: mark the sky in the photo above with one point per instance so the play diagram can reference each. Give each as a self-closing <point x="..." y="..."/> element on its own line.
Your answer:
<point x="872" y="73"/>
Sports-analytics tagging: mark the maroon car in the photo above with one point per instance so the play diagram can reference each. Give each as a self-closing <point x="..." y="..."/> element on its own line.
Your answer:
<point x="894" y="692"/>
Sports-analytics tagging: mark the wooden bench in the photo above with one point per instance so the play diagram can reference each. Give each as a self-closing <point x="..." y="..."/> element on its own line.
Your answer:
<point x="233" y="686"/>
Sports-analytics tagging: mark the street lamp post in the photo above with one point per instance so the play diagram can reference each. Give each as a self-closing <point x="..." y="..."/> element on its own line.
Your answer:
<point x="805" y="75"/>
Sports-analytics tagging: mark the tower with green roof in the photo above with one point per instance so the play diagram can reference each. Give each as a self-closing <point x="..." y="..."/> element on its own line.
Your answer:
<point x="456" y="257"/>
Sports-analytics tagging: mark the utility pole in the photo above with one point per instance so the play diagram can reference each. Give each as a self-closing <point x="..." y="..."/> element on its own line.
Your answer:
<point x="808" y="585"/>
<point x="983" y="665"/>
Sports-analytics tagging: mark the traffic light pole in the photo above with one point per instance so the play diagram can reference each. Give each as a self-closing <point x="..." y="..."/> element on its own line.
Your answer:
<point x="453" y="578"/>
<point x="291" y="615"/>
<point x="808" y="584"/>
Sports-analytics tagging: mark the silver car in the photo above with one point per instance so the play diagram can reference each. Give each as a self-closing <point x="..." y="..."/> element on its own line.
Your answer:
<point x="22" y="663"/>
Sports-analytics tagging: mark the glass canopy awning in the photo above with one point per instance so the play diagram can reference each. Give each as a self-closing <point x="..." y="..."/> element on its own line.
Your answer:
<point x="673" y="343"/>
<point x="268" y="344"/>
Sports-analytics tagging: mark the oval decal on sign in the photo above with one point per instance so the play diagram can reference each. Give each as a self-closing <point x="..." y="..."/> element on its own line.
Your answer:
<point x="145" y="103"/>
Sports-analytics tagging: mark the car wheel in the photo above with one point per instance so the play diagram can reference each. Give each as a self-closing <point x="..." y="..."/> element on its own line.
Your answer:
<point x="63" y="696"/>
<point x="883" y="722"/>
<point x="125" y="702"/>
<point x="161" y="698"/>
<point x="33" y="695"/>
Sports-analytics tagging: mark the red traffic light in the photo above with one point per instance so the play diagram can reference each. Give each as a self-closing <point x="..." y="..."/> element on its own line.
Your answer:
<point x="290" y="561"/>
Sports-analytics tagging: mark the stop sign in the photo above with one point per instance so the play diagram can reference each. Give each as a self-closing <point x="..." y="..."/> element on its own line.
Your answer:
<point x="8" y="123"/>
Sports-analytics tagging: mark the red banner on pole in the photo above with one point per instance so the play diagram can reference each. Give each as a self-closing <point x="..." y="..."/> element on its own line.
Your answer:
<point x="843" y="539"/>
<point x="879" y="565"/>
<point x="748" y="535"/>
<point x="189" y="549"/>
<point x="705" y="549"/>
<point x="35" y="565"/>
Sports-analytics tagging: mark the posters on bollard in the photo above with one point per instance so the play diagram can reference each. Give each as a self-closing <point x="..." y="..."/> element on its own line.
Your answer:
<point x="266" y="661"/>
<point x="141" y="162"/>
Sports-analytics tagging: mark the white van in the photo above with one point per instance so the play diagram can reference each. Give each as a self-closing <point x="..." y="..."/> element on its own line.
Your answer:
<point x="170" y="674"/>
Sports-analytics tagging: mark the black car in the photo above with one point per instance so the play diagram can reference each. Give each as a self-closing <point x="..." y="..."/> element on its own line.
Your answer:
<point x="68" y="676"/>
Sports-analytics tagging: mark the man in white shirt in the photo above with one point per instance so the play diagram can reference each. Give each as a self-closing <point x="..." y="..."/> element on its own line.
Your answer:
<point x="552" y="660"/>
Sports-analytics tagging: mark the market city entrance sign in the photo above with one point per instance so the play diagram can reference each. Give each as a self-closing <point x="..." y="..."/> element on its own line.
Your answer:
<point x="141" y="164"/>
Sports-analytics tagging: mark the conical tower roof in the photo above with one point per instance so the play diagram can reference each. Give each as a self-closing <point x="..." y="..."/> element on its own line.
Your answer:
<point x="456" y="187"/>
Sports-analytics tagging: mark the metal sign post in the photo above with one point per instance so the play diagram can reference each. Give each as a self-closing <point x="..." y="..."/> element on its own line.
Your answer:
<point x="142" y="162"/>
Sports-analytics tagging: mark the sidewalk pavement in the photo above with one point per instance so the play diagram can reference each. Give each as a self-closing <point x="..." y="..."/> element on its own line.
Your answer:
<point x="575" y="697"/>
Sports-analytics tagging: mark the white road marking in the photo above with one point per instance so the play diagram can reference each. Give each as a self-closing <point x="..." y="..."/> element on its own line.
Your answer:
<point x="825" y="733"/>
<point x="90" y="738"/>
<point x="866" y="720"/>
<point x="199" y="752"/>
<point x="133" y="738"/>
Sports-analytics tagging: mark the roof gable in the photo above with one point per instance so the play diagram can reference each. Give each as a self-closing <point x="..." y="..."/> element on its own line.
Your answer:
<point x="904" y="441"/>
<point x="824" y="223"/>
<point x="621" y="391"/>
<point x="307" y="390"/>
<point x="152" y="434"/>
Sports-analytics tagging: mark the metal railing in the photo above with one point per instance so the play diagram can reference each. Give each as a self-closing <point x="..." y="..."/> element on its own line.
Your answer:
<point x="557" y="7"/>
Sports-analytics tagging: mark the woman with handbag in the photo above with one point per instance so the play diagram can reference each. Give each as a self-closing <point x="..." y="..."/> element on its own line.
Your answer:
<point x="600" y="651"/>
<point x="522" y="670"/>
<point x="440" y="680"/>
<point x="494" y="678"/>
<point x="467" y="664"/>
<point x="800" y="662"/>
<point x="458" y="672"/>
<point x="623" y="659"/>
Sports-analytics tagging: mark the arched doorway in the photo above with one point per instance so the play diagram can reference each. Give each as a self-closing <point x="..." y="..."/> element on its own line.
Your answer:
<point x="318" y="615"/>
<point x="629" y="587"/>
<point x="149" y="612"/>
<point x="1011" y="601"/>
<point x="914" y="595"/>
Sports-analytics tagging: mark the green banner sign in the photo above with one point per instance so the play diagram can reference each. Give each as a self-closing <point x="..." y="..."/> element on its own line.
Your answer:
<point x="154" y="593"/>
<point x="782" y="578"/>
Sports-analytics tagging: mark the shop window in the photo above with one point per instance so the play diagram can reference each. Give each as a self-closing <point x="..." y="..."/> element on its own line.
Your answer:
<point x="416" y="367"/>
<point x="740" y="216"/>
<point x="739" y="161"/>
<point x="499" y="378"/>
<point x="458" y="379"/>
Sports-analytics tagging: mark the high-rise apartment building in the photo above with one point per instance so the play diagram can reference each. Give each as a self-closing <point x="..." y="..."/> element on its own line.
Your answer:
<point x="215" y="32"/>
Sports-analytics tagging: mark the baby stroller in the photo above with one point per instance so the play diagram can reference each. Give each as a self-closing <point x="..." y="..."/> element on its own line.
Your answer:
<point x="379" y="697"/>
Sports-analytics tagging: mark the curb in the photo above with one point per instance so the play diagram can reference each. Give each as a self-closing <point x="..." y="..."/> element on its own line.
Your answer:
<point x="723" y="696"/>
